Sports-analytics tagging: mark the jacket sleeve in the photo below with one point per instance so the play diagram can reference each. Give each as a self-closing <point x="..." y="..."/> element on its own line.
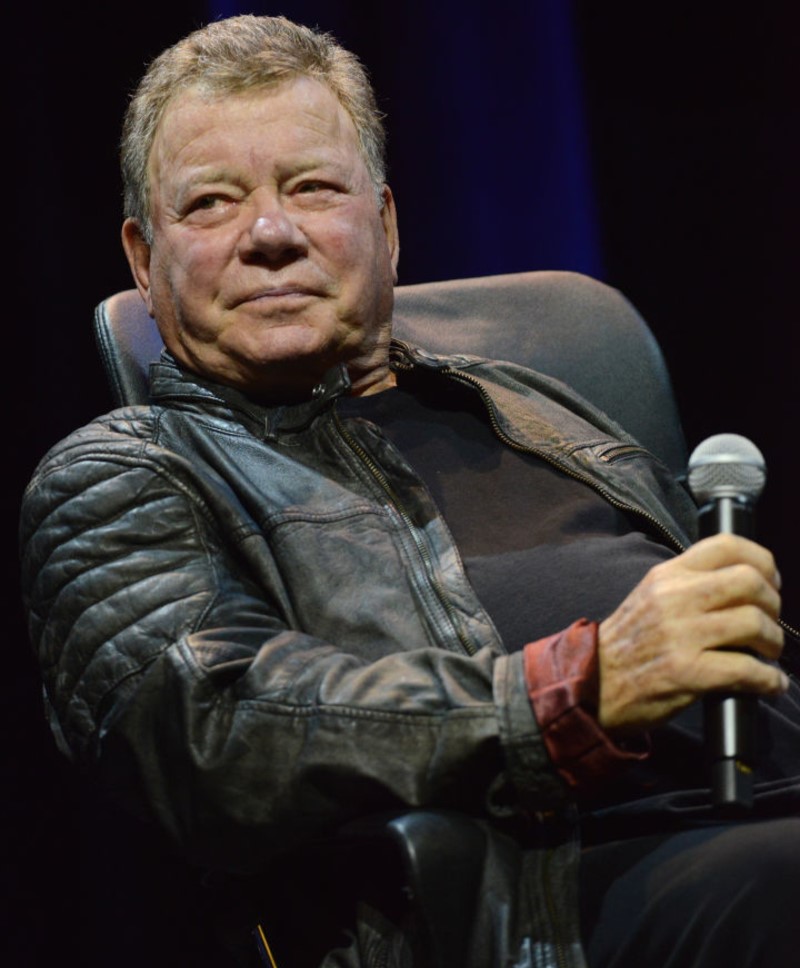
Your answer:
<point x="171" y="674"/>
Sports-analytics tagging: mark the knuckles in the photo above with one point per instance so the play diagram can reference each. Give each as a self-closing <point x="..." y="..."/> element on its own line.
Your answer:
<point x="747" y="581"/>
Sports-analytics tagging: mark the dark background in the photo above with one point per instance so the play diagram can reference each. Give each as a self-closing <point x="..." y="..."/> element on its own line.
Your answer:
<point x="653" y="145"/>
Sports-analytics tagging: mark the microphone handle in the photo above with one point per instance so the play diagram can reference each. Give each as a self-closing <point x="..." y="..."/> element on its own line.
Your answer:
<point x="729" y="718"/>
<point x="727" y="515"/>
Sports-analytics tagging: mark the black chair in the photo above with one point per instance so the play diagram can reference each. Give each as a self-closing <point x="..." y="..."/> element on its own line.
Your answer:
<point x="565" y="324"/>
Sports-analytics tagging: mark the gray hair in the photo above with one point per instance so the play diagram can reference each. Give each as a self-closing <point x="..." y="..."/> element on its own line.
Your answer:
<point x="237" y="55"/>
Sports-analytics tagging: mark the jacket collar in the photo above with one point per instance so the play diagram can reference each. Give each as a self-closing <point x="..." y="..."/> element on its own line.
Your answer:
<point x="170" y="383"/>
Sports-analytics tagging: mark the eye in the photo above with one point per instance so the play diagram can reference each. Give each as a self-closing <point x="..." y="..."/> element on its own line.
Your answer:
<point x="316" y="193"/>
<point x="205" y="202"/>
<point x="209" y="207"/>
<point x="308" y="187"/>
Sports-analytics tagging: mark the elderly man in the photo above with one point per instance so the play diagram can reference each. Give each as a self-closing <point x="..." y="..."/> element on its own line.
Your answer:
<point x="276" y="600"/>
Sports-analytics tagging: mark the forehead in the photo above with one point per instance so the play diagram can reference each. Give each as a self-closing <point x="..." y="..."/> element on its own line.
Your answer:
<point x="297" y="114"/>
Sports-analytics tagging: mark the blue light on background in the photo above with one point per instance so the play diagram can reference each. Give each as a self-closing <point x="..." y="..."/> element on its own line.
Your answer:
<point x="488" y="152"/>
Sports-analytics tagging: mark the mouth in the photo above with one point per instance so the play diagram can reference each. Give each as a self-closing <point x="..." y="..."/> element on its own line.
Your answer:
<point x="276" y="293"/>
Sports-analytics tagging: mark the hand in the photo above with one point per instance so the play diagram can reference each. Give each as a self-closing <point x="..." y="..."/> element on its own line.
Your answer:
<point x="669" y="642"/>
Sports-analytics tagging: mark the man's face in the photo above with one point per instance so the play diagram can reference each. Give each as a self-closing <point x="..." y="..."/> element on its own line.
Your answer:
<point x="271" y="258"/>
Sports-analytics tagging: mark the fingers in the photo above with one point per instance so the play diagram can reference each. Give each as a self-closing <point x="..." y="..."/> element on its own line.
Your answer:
<point x="746" y="626"/>
<point x="739" y="672"/>
<point x="723" y="550"/>
<point x="674" y="592"/>
<point x="730" y="581"/>
<point x="669" y="642"/>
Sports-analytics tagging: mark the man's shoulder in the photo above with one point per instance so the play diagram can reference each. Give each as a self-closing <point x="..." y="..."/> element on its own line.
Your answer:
<point x="123" y="427"/>
<point x="100" y="450"/>
<point x="102" y="470"/>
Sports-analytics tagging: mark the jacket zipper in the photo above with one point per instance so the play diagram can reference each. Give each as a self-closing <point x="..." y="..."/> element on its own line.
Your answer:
<point x="552" y="910"/>
<point x="419" y="543"/>
<point x="788" y="628"/>
<point x="471" y="381"/>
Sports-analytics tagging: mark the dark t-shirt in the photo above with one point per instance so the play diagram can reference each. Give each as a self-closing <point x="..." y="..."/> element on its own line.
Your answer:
<point x="540" y="548"/>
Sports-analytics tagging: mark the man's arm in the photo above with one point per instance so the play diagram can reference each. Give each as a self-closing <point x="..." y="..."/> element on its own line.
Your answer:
<point x="173" y="674"/>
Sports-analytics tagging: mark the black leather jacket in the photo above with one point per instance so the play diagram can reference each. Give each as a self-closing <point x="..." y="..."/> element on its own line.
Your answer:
<point x="253" y="622"/>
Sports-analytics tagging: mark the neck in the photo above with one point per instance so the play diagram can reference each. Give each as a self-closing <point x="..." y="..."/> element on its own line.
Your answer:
<point x="376" y="380"/>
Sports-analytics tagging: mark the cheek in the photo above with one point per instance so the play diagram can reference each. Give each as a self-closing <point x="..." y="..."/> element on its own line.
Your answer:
<point x="188" y="268"/>
<point x="356" y="244"/>
<point x="341" y="240"/>
<point x="202" y="258"/>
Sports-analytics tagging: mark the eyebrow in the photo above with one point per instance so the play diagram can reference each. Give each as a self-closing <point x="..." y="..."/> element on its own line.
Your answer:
<point x="186" y="182"/>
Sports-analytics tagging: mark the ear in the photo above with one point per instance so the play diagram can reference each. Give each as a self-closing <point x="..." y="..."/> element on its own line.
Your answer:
<point x="137" y="251"/>
<point x="389" y="219"/>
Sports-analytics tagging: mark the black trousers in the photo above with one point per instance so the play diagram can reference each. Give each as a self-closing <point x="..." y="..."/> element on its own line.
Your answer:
<point x="726" y="895"/>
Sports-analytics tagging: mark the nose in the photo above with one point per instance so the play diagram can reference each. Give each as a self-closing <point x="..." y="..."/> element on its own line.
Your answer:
<point x="272" y="234"/>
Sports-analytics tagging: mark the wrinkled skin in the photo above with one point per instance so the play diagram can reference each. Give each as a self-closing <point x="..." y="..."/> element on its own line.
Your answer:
<point x="272" y="257"/>
<point x="669" y="641"/>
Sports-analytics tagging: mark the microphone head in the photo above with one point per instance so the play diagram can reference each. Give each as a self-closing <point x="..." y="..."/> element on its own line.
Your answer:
<point x="726" y="465"/>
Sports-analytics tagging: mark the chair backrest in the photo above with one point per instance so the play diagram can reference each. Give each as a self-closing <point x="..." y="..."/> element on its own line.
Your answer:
<point x="565" y="324"/>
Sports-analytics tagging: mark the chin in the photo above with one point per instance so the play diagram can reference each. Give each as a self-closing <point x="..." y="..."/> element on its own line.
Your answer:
<point x="287" y="343"/>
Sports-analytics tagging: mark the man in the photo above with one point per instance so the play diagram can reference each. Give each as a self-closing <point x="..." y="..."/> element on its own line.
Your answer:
<point x="271" y="604"/>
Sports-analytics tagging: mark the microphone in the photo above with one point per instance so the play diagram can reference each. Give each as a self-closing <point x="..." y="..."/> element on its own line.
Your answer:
<point x="726" y="475"/>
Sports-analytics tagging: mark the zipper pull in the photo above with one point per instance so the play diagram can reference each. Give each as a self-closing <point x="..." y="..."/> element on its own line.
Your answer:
<point x="299" y="416"/>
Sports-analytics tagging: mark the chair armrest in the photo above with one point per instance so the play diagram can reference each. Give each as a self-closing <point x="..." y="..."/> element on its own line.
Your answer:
<point x="443" y="857"/>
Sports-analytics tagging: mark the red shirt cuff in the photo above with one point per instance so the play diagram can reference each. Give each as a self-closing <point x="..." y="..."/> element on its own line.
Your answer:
<point x="563" y="679"/>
